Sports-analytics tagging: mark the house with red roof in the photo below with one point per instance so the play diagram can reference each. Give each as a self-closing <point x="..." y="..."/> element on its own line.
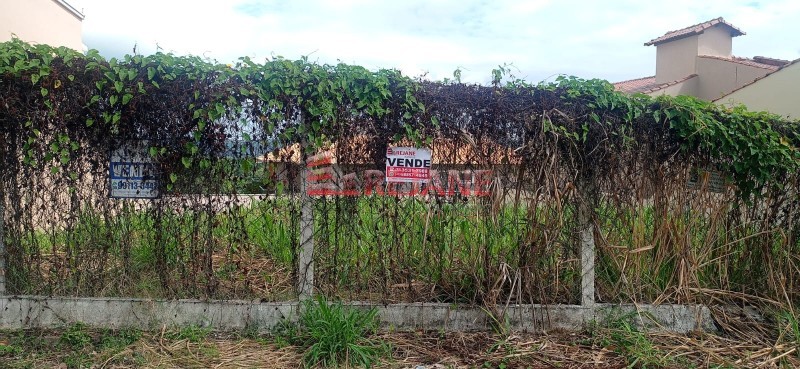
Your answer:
<point x="698" y="61"/>
<point x="777" y="92"/>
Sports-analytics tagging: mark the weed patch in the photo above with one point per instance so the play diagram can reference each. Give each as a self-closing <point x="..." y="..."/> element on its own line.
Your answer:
<point x="332" y="334"/>
<point x="618" y="333"/>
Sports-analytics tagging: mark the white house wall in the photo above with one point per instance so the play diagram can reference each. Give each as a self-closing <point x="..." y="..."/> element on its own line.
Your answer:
<point x="40" y="21"/>
<point x="720" y="77"/>
<point x="687" y="87"/>
<point x="715" y="41"/>
<point x="676" y="59"/>
<point x="776" y="93"/>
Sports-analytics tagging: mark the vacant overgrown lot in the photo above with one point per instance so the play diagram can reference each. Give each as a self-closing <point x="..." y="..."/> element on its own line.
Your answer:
<point x="697" y="248"/>
<point x="684" y="202"/>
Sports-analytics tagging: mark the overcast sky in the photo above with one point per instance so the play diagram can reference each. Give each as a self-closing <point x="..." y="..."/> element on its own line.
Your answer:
<point x="539" y="38"/>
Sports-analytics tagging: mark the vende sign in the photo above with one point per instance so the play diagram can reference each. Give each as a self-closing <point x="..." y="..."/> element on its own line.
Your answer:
<point x="408" y="164"/>
<point x="408" y="173"/>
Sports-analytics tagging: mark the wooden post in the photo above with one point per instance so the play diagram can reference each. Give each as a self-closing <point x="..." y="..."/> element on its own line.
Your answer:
<point x="586" y="236"/>
<point x="305" y="258"/>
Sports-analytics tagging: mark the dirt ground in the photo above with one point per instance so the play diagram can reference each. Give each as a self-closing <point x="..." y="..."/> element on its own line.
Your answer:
<point x="80" y="347"/>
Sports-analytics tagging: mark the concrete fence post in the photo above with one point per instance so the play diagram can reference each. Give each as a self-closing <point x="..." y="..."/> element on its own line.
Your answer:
<point x="2" y="229"/>
<point x="586" y="237"/>
<point x="305" y="257"/>
<point x="2" y="240"/>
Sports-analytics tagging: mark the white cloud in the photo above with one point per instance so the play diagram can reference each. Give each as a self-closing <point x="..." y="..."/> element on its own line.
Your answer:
<point x="540" y="37"/>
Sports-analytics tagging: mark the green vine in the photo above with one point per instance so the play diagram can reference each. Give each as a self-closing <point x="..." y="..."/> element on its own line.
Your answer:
<point x="57" y="104"/>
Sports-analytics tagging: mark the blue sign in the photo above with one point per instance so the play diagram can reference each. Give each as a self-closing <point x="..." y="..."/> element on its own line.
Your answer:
<point x="132" y="172"/>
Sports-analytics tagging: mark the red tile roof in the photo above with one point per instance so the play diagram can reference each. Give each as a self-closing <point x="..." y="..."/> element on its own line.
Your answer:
<point x="647" y="85"/>
<point x="636" y="85"/>
<point x="771" y="61"/>
<point x="694" y="30"/>
<point x="744" y="61"/>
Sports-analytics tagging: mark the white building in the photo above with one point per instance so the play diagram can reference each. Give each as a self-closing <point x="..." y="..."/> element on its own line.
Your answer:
<point x="52" y="22"/>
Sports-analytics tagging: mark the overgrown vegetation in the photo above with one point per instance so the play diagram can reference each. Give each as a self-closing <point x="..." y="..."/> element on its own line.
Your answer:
<point x="612" y="343"/>
<point x="331" y="334"/>
<point x="553" y="148"/>
<point x="619" y="333"/>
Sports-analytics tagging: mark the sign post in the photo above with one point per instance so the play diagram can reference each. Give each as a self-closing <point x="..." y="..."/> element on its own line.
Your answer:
<point x="132" y="172"/>
<point x="309" y="184"/>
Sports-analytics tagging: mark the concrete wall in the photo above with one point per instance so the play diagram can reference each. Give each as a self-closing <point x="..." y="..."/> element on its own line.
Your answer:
<point x="676" y="59"/>
<point x="719" y="77"/>
<point x="687" y="87"/>
<point x="41" y="21"/>
<point x="20" y="312"/>
<point x="716" y="41"/>
<point x="778" y="93"/>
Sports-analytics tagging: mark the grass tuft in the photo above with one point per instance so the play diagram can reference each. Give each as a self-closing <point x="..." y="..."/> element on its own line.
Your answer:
<point x="332" y="334"/>
<point x="618" y="333"/>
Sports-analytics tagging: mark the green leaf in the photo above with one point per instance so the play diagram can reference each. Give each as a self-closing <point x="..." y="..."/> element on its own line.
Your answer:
<point x="187" y="162"/>
<point x="34" y="78"/>
<point x="132" y="74"/>
<point x="246" y="165"/>
<point x="44" y="92"/>
<point x="150" y="73"/>
<point x="126" y="99"/>
<point x="173" y="177"/>
<point x="119" y="86"/>
<point x="113" y="100"/>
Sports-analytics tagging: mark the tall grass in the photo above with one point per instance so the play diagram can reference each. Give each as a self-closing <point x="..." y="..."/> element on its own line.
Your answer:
<point x="476" y="250"/>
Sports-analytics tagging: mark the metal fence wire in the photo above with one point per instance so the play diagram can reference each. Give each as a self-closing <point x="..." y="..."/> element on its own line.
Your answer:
<point x="488" y="228"/>
<point x="265" y="181"/>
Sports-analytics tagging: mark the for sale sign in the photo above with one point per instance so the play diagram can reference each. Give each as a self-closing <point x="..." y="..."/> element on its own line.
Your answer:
<point x="132" y="172"/>
<point x="408" y="164"/>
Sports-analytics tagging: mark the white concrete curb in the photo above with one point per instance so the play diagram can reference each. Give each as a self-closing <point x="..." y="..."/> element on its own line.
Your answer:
<point x="17" y="312"/>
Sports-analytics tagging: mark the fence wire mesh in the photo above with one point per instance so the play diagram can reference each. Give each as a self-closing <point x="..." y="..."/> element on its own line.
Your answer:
<point x="246" y="209"/>
<point x="488" y="228"/>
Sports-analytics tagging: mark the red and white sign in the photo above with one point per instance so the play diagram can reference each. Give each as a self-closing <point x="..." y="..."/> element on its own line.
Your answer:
<point x="408" y="164"/>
